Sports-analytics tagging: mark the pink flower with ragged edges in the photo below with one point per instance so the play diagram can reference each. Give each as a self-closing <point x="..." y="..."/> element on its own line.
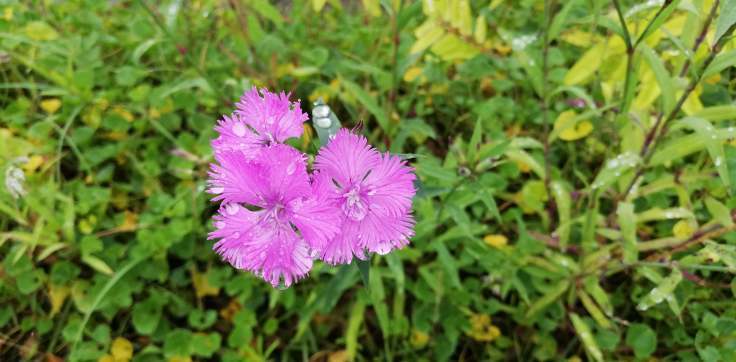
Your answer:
<point x="271" y="218"/>
<point x="374" y="192"/>
<point x="261" y="119"/>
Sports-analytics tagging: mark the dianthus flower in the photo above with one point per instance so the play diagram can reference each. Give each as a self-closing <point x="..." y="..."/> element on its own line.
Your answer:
<point x="261" y="119"/>
<point x="373" y="191"/>
<point x="271" y="217"/>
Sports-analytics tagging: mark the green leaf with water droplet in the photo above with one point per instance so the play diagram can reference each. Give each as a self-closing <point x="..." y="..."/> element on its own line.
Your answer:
<point x="663" y="291"/>
<point x="614" y="169"/>
<point x="712" y="138"/>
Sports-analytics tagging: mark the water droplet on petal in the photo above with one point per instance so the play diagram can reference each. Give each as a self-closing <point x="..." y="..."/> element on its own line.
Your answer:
<point x="239" y="129"/>
<point x="232" y="209"/>
<point x="291" y="168"/>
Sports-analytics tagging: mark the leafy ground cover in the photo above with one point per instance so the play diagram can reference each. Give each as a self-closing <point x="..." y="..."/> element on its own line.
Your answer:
<point x="577" y="162"/>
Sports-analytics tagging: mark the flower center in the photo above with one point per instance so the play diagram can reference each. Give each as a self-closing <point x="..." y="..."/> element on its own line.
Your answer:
<point x="354" y="206"/>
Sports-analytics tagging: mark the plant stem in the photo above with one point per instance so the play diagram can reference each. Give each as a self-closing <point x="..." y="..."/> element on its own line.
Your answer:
<point x="548" y="5"/>
<point x="701" y="37"/>
<point x="660" y="128"/>
<point x="630" y="50"/>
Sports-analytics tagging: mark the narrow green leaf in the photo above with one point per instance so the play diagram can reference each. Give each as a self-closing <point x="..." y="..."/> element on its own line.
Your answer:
<point x="719" y="211"/>
<point x="364" y="268"/>
<point x="593" y="310"/>
<point x="662" y="15"/>
<point x="377" y="296"/>
<point x="627" y="223"/>
<point x="663" y="291"/>
<point x="614" y="169"/>
<point x="552" y="296"/>
<point x="369" y="102"/>
<point x="97" y="264"/>
<point x="560" y="19"/>
<point x="666" y="86"/>
<point x="586" y="336"/>
<point x="711" y="136"/>
<point x="657" y="213"/>
<point x="353" y="329"/>
<point x="593" y="287"/>
<point x="564" y="211"/>
<point x="474" y="141"/>
<point x="268" y="11"/>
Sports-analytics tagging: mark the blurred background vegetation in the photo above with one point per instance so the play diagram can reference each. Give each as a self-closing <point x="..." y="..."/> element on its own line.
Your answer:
<point x="577" y="162"/>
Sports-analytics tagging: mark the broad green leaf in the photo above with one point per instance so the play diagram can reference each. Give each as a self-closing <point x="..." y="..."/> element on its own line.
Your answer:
<point x="726" y="20"/>
<point x="569" y="126"/>
<point x="523" y="157"/>
<point x="586" y="336"/>
<point x="627" y="222"/>
<point x="642" y="339"/>
<point x="720" y="63"/>
<point x="451" y="47"/>
<point x="317" y="5"/>
<point x="41" y="31"/>
<point x="268" y="11"/>
<point x="427" y="34"/>
<point x="146" y="315"/>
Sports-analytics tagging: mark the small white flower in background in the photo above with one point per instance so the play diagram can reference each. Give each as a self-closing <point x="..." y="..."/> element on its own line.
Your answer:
<point x="14" y="178"/>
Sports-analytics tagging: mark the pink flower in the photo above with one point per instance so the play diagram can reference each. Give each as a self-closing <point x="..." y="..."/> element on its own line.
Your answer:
<point x="374" y="193"/>
<point x="282" y="219"/>
<point x="262" y="118"/>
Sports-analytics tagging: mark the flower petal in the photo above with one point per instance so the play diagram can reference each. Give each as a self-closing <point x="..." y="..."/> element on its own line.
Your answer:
<point x="236" y="135"/>
<point x="271" y="115"/>
<point x="347" y="158"/>
<point x="391" y="185"/>
<point x="255" y="242"/>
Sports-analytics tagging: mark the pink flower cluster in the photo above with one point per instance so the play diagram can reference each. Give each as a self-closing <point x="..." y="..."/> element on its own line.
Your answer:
<point x="276" y="217"/>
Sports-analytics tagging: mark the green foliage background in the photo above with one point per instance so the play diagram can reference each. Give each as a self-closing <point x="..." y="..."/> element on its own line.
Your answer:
<point x="576" y="158"/>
